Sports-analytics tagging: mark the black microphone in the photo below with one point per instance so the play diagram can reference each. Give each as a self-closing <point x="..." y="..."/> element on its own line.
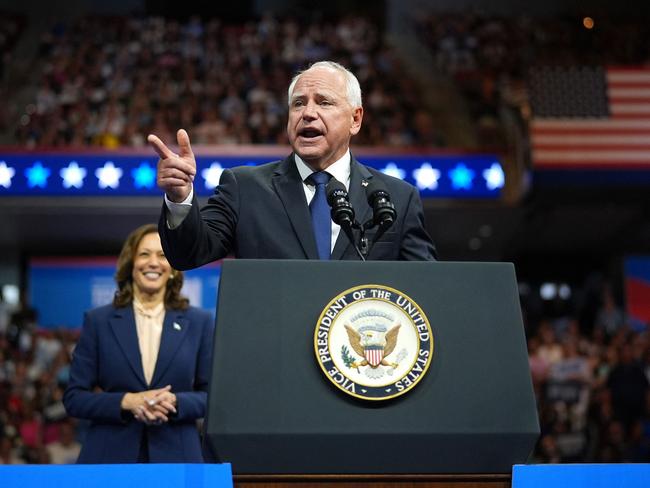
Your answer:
<point x="337" y="198"/>
<point x="342" y="211"/>
<point x="383" y="210"/>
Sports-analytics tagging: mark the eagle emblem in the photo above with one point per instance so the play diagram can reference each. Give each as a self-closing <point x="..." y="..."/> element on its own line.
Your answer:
<point x="373" y="343"/>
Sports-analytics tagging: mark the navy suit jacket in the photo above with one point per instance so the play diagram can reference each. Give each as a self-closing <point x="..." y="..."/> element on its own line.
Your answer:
<point x="107" y="364"/>
<point x="261" y="213"/>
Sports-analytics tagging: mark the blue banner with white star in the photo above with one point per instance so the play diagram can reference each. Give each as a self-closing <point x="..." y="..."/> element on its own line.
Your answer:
<point x="61" y="174"/>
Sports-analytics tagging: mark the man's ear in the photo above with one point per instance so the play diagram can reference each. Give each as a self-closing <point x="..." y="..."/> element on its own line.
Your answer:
<point x="357" y="117"/>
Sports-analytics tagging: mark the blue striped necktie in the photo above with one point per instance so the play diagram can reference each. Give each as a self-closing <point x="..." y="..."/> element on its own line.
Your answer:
<point x="320" y="214"/>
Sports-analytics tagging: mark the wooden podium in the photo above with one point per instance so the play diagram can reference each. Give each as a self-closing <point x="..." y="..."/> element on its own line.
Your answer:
<point x="374" y="481"/>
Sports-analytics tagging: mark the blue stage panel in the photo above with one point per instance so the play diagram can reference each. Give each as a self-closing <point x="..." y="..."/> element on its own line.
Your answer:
<point x="122" y="475"/>
<point x="581" y="475"/>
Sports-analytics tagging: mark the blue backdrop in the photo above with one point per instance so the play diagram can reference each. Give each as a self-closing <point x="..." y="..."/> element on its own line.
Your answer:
<point x="62" y="289"/>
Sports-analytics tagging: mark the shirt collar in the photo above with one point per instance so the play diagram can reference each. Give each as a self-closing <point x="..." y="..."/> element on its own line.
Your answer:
<point x="339" y="169"/>
<point x="148" y="312"/>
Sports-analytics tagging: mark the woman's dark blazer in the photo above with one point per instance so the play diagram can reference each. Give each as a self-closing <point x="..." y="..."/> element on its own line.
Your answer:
<point x="107" y="363"/>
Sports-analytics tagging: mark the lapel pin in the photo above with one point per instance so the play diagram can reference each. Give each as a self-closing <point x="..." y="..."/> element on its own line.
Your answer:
<point x="177" y="326"/>
<point x="364" y="183"/>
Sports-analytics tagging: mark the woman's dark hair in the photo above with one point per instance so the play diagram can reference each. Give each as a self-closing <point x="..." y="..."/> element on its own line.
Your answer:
<point x="124" y="274"/>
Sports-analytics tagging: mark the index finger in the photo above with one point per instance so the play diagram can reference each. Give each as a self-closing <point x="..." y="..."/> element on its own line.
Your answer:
<point x="159" y="146"/>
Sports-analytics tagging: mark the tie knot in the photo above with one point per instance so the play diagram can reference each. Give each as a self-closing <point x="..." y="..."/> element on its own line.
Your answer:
<point x="319" y="178"/>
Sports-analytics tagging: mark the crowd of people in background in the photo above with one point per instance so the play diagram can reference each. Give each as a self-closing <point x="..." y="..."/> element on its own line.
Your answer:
<point x="591" y="376"/>
<point x="109" y="82"/>
<point x="591" y="384"/>
<point x="34" y="369"/>
<point x="476" y="51"/>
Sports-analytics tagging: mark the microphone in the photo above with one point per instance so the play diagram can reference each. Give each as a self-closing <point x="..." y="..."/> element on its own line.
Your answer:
<point x="337" y="198"/>
<point x="383" y="210"/>
<point x="342" y="212"/>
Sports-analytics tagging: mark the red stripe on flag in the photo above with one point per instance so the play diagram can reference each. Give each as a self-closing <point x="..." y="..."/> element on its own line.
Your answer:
<point x="628" y="85"/>
<point x="589" y="165"/>
<point x="635" y="99"/>
<point x="589" y="147"/>
<point x="563" y="131"/>
<point x="632" y="116"/>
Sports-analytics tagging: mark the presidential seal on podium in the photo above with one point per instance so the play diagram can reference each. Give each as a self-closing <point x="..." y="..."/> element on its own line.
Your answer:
<point x="373" y="342"/>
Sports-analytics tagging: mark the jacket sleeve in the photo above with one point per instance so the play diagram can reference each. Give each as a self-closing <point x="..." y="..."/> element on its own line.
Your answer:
<point x="192" y="405"/>
<point x="206" y="234"/>
<point x="80" y="398"/>
<point x="416" y="244"/>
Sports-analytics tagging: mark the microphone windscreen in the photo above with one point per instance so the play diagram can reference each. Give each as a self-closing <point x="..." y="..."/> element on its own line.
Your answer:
<point x="333" y="187"/>
<point x="375" y="186"/>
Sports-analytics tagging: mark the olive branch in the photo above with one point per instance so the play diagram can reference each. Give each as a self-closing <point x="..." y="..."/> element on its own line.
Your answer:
<point x="345" y="355"/>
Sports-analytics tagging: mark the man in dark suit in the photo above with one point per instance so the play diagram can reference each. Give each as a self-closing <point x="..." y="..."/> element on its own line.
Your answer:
<point x="264" y="211"/>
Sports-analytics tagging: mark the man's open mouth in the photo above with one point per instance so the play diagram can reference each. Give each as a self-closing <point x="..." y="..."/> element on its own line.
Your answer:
<point x="310" y="133"/>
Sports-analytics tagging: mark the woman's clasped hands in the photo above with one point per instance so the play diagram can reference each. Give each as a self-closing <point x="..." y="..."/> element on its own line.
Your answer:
<point x="152" y="407"/>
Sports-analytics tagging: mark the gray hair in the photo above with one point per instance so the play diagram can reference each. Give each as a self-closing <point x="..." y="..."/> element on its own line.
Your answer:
<point x="352" y="86"/>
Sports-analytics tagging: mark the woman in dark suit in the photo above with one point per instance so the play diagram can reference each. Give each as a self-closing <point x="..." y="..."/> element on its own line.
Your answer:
<point x="140" y="370"/>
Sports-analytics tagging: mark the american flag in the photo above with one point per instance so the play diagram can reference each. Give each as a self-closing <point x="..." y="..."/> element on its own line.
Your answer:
<point x="586" y="117"/>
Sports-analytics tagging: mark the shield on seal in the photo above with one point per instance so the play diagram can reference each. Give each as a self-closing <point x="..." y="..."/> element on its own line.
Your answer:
<point x="374" y="355"/>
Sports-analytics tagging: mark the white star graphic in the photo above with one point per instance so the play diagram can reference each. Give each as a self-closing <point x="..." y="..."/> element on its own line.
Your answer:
<point x="426" y="177"/>
<point x="212" y="174"/>
<point x="6" y="173"/>
<point x="108" y="175"/>
<point x="494" y="177"/>
<point x="73" y="175"/>
<point x="392" y="169"/>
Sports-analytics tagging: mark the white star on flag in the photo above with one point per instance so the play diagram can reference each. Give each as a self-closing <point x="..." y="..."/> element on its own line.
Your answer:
<point x="494" y="177"/>
<point x="108" y="175"/>
<point x="392" y="169"/>
<point x="426" y="177"/>
<point x="73" y="175"/>
<point x="6" y="173"/>
<point x="212" y="174"/>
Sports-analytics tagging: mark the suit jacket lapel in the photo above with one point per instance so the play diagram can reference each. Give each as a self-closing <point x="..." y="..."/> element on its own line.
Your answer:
<point x="357" y="195"/>
<point x="288" y="185"/>
<point x="175" y="327"/>
<point x="123" y="324"/>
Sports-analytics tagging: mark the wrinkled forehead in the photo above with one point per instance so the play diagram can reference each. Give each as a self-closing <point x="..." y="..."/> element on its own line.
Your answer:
<point x="320" y="80"/>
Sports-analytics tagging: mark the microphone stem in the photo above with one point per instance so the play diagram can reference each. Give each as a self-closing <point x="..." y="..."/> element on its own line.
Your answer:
<point x="362" y="248"/>
<point x="361" y="256"/>
<point x="348" y="232"/>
